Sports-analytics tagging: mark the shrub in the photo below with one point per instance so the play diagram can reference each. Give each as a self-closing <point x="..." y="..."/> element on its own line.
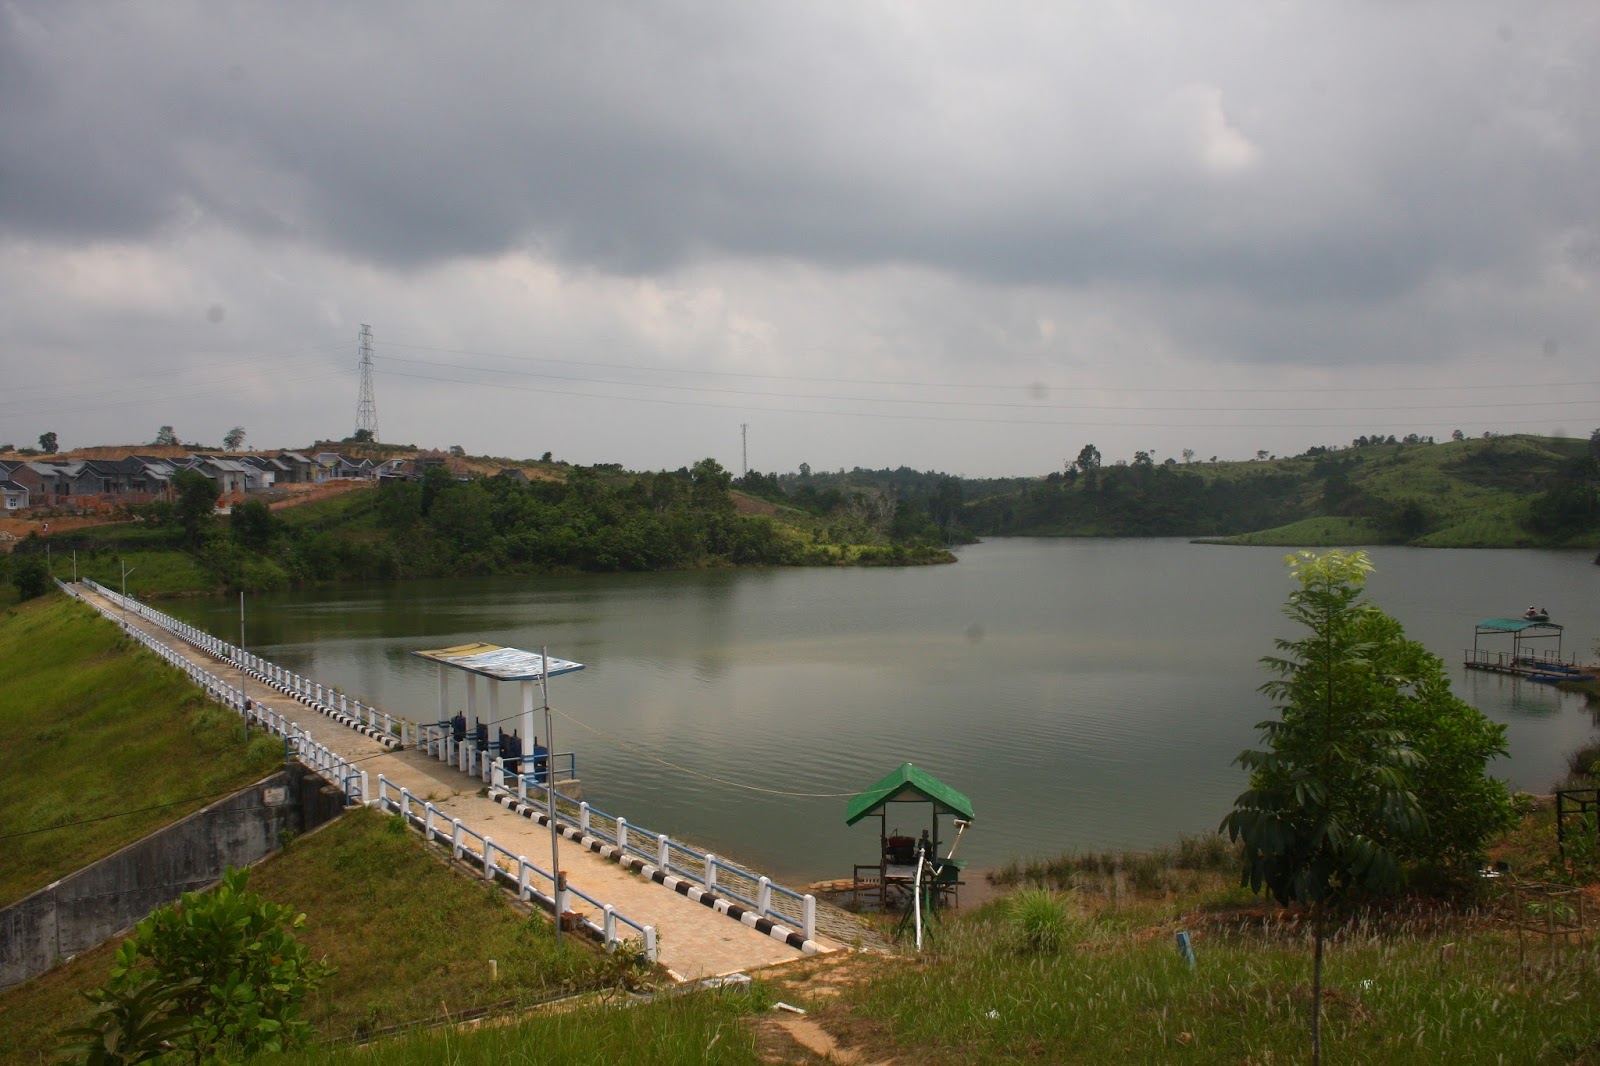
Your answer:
<point x="1038" y="921"/>
<point x="217" y="975"/>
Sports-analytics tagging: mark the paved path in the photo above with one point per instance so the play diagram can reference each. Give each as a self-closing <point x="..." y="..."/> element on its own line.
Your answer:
<point x="693" y="940"/>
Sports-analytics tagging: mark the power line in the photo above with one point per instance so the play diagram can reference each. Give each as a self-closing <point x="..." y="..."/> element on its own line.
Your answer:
<point x="1355" y="421"/>
<point x="1010" y="405"/>
<point x="972" y="385"/>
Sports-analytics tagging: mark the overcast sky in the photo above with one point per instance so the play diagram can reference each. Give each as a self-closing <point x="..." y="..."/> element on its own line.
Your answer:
<point x="970" y="237"/>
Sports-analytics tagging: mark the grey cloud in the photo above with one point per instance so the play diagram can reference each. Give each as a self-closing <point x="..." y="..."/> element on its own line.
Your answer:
<point x="633" y="139"/>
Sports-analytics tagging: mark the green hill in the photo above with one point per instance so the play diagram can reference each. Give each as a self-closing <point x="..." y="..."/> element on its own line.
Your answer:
<point x="1516" y="491"/>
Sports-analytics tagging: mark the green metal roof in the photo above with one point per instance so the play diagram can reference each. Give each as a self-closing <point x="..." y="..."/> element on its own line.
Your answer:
<point x="909" y="785"/>
<point x="1514" y="625"/>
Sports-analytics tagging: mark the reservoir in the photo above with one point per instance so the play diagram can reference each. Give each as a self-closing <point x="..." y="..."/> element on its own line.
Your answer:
<point x="1085" y="694"/>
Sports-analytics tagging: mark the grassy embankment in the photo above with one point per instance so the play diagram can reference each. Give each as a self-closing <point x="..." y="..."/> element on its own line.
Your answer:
<point x="411" y="939"/>
<point x="96" y="726"/>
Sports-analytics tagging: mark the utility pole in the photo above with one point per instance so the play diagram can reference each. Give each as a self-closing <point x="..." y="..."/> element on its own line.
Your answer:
<point x="126" y="570"/>
<point x="366" y="405"/>
<point x="557" y="878"/>
<point x="744" y="449"/>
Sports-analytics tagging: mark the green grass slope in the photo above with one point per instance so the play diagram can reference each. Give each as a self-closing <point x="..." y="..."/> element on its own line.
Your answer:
<point x="410" y="937"/>
<point x="96" y="726"/>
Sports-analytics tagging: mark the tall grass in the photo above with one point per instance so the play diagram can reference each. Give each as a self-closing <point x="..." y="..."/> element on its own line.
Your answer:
<point x="1185" y="866"/>
<point x="1394" y="996"/>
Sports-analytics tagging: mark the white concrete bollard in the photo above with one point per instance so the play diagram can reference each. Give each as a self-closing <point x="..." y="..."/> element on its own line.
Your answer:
<point x="661" y="851"/>
<point x="711" y="872"/>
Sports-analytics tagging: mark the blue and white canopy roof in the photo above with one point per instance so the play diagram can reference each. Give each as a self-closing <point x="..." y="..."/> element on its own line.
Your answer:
<point x="501" y="664"/>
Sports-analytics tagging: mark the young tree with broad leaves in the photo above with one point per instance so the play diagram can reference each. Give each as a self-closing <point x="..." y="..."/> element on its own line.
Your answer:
<point x="1372" y="766"/>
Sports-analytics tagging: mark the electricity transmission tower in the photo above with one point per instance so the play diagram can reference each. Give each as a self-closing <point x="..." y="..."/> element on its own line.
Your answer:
<point x="366" y="406"/>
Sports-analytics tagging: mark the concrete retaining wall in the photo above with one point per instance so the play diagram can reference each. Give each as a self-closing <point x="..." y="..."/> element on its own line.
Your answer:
<point x="86" y="908"/>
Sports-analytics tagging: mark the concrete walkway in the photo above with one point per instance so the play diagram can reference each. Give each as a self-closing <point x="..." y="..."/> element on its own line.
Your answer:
<point x="693" y="940"/>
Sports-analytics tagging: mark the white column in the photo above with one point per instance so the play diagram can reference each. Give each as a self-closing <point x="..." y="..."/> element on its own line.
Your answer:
<point x="527" y="726"/>
<point x="444" y="692"/>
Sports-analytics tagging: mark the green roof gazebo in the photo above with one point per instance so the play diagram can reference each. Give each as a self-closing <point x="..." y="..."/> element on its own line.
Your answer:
<point x="897" y="857"/>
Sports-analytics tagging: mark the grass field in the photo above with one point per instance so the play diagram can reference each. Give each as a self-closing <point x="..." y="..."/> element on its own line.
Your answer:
<point x="411" y="939"/>
<point x="95" y="727"/>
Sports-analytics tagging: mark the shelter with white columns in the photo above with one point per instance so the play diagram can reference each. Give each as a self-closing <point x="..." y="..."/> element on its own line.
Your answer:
<point x="498" y="664"/>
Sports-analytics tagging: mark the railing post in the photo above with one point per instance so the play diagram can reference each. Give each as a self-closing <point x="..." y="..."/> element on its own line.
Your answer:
<point x="488" y="859"/>
<point x="650" y="943"/>
<point x="497" y="773"/>
<point x="583" y="818"/>
<point x="711" y="872"/>
<point x="763" y="895"/>
<point x="809" y="912"/>
<point x="610" y="925"/>
<point x="560" y="894"/>
<point x="661" y="851"/>
<point x="523" y="888"/>
<point x="383" y="792"/>
<point x="622" y="834"/>
<point x="427" y="822"/>
<point x="366" y="797"/>
<point x="455" y="838"/>
<point x="405" y="806"/>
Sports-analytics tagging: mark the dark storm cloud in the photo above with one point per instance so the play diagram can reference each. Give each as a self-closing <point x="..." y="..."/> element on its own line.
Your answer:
<point x="1299" y="152"/>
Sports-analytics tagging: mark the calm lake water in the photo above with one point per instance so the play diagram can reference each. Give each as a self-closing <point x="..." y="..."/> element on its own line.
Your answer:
<point x="1083" y="693"/>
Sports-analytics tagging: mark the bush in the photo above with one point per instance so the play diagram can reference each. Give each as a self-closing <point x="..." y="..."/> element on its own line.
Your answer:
<point x="1038" y="921"/>
<point x="217" y="975"/>
<point x="31" y="577"/>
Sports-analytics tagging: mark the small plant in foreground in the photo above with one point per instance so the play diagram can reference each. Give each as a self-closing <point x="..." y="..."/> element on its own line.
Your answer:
<point x="218" y="972"/>
<point x="1038" y="921"/>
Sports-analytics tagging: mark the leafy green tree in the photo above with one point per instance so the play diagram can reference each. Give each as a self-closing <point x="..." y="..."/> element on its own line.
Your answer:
<point x="234" y="439"/>
<point x="47" y="442"/>
<point x="253" y="524"/>
<point x="219" y="975"/>
<point x="194" y="502"/>
<point x="165" y="435"/>
<point x="31" y="577"/>
<point x="1333" y="786"/>
<point x="710" y="486"/>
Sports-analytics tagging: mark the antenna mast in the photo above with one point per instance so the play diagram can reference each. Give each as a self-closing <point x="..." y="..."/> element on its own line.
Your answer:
<point x="366" y="406"/>
<point x="744" y="448"/>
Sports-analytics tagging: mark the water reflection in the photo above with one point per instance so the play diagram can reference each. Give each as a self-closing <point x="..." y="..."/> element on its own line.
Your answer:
<point x="1085" y="694"/>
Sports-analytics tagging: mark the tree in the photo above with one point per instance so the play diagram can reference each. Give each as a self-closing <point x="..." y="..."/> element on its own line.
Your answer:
<point x="31" y="577"/>
<point x="234" y="439"/>
<point x="165" y="435"/>
<point x="195" y="500"/>
<point x="253" y="524"/>
<point x="1330" y="767"/>
<point x="1089" y="459"/>
<point x="220" y="971"/>
<point x="360" y="436"/>
<point x="1456" y="434"/>
<point x="1188" y="456"/>
<point x="47" y="442"/>
<point x="710" y="486"/>
<point x="1372" y="764"/>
